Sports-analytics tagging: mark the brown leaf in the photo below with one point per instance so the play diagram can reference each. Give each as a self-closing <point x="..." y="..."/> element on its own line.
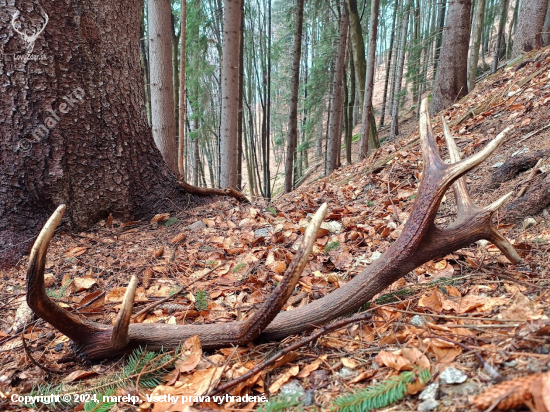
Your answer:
<point x="97" y="298"/>
<point x="78" y="374"/>
<point x="431" y="300"/>
<point x="284" y="378"/>
<point x="161" y="217"/>
<point x="192" y="354"/>
<point x="397" y="362"/>
<point x="180" y="237"/>
<point x="81" y="284"/>
<point x="75" y="251"/>
<point x="109" y="221"/>
<point x="313" y="366"/>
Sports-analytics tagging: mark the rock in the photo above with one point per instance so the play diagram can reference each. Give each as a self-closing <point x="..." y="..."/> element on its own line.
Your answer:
<point x="428" y="405"/>
<point x="196" y="226"/>
<point x="345" y="373"/>
<point x="513" y="364"/>
<point x="23" y="316"/>
<point x="520" y="152"/>
<point x="292" y="388"/>
<point x="262" y="232"/>
<point x="430" y="392"/>
<point x="418" y="320"/>
<point x="308" y="398"/>
<point x="497" y="164"/>
<point x="482" y="242"/>
<point x="451" y="376"/>
<point x="528" y="222"/>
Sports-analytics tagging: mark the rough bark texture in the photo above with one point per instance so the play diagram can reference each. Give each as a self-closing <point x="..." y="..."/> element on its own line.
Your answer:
<point x="451" y="81"/>
<point x="514" y="166"/>
<point x="337" y="105"/>
<point x="476" y="42"/>
<point x="388" y="65"/>
<point x="531" y="203"/>
<point x="163" y="122"/>
<point x="73" y="123"/>
<point x="293" y="110"/>
<point x="529" y="27"/>
<point x="182" y="103"/>
<point x="368" y="143"/>
<point x="230" y="94"/>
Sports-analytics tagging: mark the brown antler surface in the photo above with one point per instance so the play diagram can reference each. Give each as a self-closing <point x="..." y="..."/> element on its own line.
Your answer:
<point x="419" y="242"/>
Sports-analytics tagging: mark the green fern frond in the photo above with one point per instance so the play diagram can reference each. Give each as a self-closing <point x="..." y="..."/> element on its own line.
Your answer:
<point x="383" y="394"/>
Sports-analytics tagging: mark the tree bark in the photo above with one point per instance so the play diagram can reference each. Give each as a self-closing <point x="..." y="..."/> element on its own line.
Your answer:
<point x="368" y="143"/>
<point x="183" y="37"/>
<point x="451" y="80"/>
<point x="357" y="47"/>
<point x="529" y="27"/>
<point x="162" y="82"/>
<point x="229" y="151"/>
<point x="74" y="128"/>
<point x="388" y="66"/>
<point x="335" y="128"/>
<point x="293" y="110"/>
<point x="474" y="52"/>
<point x="440" y="26"/>
<point x="394" y="130"/>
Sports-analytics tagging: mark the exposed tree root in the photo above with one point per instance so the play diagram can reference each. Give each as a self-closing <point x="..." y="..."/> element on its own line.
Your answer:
<point x="208" y="191"/>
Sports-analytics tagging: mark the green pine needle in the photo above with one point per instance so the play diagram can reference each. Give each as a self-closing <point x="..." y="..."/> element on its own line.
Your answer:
<point x="383" y="394"/>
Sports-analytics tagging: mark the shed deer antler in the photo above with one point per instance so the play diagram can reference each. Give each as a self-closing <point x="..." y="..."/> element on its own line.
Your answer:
<point x="419" y="242"/>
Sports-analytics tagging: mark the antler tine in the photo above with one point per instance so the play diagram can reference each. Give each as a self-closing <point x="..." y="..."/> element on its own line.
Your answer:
<point x="463" y="199"/>
<point x="430" y="152"/>
<point x="119" y="338"/>
<point x="458" y="169"/>
<point x="256" y="324"/>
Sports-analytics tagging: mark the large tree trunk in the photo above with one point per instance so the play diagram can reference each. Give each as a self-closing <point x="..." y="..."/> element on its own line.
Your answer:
<point x="293" y="110"/>
<point x="451" y="80"/>
<point x="368" y="142"/>
<point x="335" y="128"/>
<point x="162" y="87"/>
<point x="529" y="29"/>
<point x="474" y="52"/>
<point x="73" y="125"/>
<point x="229" y="151"/>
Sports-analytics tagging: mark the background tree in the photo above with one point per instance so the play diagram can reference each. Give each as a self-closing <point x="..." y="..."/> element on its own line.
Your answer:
<point x="229" y="150"/>
<point x="451" y="80"/>
<point x="161" y="78"/>
<point x="476" y="43"/>
<point x="529" y="28"/>
<point x="294" y="88"/>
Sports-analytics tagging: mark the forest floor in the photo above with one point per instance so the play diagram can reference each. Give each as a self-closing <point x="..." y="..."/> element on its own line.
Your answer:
<point x="453" y="316"/>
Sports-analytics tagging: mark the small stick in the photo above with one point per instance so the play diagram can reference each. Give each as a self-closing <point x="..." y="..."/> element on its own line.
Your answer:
<point x="531" y="175"/>
<point x="34" y="361"/>
<point x="153" y="305"/>
<point x="528" y="135"/>
<point x="258" y="368"/>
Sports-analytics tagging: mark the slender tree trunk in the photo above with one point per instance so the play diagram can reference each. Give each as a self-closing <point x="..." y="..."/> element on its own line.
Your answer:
<point x="357" y="47"/>
<point x="546" y="28"/>
<point x="267" y="172"/>
<point x="394" y="130"/>
<point x="439" y="36"/>
<point x="183" y="37"/>
<point x="162" y="98"/>
<point x="500" y="33"/>
<point x="335" y="127"/>
<point x="351" y="106"/>
<point x="240" y="110"/>
<point x="294" y="88"/>
<point x="529" y="26"/>
<point x="368" y="144"/>
<point x="451" y="80"/>
<point x="388" y="65"/>
<point x="229" y="151"/>
<point x="59" y="143"/>
<point x="474" y="51"/>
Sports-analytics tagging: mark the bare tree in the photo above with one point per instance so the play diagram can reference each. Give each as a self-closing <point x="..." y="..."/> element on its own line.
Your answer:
<point x="529" y="27"/>
<point x="367" y="140"/>
<point x="337" y="104"/>
<point x="183" y="37"/>
<point x="476" y="42"/>
<point x="451" y="80"/>
<point x="230" y="93"/>
<point x="293" y="110"/>
<point x="546" y="28"/>
<point x="500" y="34"/>
<point x="163" y="121"/>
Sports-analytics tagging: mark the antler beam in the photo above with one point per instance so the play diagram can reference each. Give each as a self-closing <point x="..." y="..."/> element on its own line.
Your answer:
<point x="419" y="242"/>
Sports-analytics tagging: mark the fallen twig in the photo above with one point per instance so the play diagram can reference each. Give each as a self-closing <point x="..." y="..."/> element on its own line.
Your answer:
<point x="208" y="191"/>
